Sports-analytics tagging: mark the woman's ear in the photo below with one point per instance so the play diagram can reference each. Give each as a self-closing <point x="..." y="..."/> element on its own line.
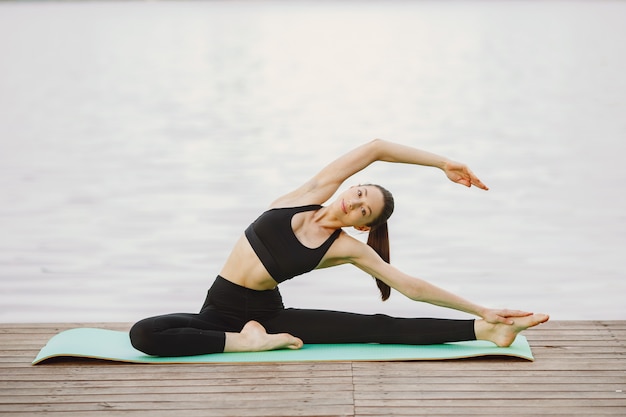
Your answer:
<point x="363" y="228"/>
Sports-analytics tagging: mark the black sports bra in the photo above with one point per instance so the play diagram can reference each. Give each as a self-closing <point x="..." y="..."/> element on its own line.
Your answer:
<point x="278" y="248"/>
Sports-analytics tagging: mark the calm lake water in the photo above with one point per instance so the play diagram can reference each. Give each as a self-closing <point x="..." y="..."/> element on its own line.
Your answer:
<point x="139" y="139"/>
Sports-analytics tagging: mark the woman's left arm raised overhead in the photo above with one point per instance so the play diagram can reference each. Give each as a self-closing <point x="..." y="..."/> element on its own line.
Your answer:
<point x="326" y="182"/>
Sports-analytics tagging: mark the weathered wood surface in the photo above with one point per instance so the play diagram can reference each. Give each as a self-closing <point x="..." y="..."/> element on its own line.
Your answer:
<point x="580" y="370"/>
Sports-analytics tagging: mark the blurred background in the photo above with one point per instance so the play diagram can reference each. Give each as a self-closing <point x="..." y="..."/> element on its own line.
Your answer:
<point x="139" y="139"/>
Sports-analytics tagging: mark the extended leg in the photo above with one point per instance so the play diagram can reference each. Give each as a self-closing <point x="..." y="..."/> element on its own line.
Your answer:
<point x="323" y="326"/>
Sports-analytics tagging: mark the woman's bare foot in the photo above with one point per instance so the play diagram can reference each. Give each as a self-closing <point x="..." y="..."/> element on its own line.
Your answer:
<point x="254" y="338"/>
<point x="504" y="335"/>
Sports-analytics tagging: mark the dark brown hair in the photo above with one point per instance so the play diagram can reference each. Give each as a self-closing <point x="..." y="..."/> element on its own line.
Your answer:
<point x="378" y="237"/>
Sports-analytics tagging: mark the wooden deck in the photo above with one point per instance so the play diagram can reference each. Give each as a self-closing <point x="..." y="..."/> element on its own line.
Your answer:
<point x="580" y="369"/>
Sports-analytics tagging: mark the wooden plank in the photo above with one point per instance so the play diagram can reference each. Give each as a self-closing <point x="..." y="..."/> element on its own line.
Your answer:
<point x="486" y="379"/>
<point x="120" y="389"/>
<point x="498" y="403"/>
<point x="200" y="409"/>
<point x="405" y="369"/>
<point x="243" y="399"/>
<point x="170" y="371"/>
<point x="470" y="387"/>
<point x="477" y="394"/>
<point x="295" y="410"/>
<point x="531" y="409"/>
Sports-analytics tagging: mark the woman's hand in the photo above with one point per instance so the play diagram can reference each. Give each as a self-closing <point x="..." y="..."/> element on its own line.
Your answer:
<point x="461" y="174"/>
<point x="494" y="316"/>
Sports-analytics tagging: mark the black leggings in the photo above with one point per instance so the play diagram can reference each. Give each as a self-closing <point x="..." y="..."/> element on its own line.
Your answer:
<point x="228" y="307"/>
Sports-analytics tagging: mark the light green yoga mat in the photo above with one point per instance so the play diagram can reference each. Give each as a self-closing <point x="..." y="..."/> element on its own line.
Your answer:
<point x="115" y="346"/>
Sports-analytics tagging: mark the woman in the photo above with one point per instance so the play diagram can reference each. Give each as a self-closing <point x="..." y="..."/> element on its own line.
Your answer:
<point x="243" y="310"/>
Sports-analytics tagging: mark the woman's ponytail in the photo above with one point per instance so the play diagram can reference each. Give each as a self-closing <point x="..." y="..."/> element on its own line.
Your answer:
<point x="378" y="237"/>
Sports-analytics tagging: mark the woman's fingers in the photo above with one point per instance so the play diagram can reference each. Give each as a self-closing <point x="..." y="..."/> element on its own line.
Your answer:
<point x="461" y="174"/>
<point x="515" y="313"/>
<point x="478" y="183"/>
<point x="504" y="316"/>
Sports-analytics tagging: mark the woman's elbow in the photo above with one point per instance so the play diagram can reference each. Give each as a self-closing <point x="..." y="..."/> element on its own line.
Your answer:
<point x="376" y="149"/>
<point x="413" y="290"/>
<point x="376" y="144"/>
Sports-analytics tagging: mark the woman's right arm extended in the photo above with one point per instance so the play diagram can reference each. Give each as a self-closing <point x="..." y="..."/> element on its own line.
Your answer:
<point x="350" y="250"/>
<point x="326" y="182"/>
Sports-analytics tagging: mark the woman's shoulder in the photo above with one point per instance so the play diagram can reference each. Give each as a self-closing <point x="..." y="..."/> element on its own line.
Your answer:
<point x="348" y="247"/>
<point x="342" y="251"/>
<point x="290" y="202"/>
<point x="311" y="192"/>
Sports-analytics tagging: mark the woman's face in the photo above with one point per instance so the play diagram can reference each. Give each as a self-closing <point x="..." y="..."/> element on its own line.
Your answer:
<point x="360" y="205"/>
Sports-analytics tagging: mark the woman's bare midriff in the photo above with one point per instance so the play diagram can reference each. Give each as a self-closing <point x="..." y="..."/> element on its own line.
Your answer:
<point x="243" y="267"/>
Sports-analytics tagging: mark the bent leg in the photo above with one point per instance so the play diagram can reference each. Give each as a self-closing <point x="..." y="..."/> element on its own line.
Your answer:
<point x="179" y="334"/>
<point x="324" y="326"/>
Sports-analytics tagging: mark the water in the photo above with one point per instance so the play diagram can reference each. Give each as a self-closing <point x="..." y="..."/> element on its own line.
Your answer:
<point x="138" y="140"/>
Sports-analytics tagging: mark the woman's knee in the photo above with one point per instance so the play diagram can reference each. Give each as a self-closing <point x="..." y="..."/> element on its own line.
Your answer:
<point x="142" y="336"/>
